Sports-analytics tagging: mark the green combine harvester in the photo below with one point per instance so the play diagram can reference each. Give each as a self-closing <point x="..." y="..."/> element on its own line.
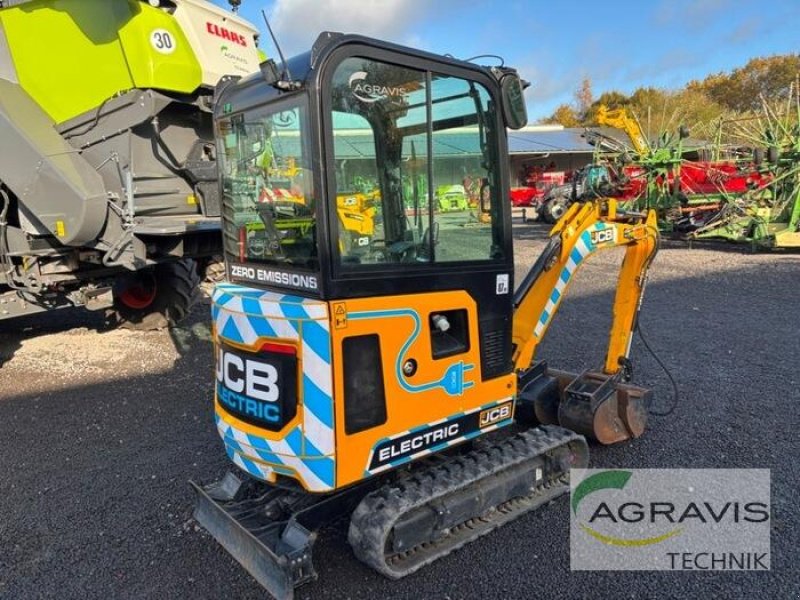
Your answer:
<point x="108" y="180"/>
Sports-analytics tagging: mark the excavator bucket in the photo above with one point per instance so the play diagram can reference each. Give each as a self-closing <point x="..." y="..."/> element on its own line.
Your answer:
<point x="596" y="405"/>
<point x="603" y="408"/>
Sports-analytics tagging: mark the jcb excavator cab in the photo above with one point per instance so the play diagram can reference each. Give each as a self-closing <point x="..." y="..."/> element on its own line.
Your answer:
<point x="354" y="112"/>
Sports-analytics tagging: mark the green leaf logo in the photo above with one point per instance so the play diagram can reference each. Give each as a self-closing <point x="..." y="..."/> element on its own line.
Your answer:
<point x="599" y="481"/>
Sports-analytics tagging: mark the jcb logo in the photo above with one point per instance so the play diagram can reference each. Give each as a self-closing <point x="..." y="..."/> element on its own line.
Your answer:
<point x="602" y="236"/>
<point x="495" y="414"/>
<point x="255" y="379"/>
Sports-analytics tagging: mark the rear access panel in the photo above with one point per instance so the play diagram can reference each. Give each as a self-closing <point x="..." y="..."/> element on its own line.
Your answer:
<point x="274" y="404"/>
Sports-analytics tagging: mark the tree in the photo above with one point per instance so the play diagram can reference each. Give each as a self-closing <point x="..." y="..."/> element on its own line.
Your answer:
<point x="661" y="111"/>
<point x="769" y="77"/>
<point x="698" y="104"/>
<point x="583" y="98"/>
<point x="611" y="100"/>
<point x="648" y="99"/>
<point x="563" y="115"/>
<point x="696" y="109"/>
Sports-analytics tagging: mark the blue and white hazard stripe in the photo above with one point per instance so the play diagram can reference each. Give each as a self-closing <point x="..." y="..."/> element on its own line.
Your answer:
<point x="583" y="248"/>
<point x="244" y="315"/>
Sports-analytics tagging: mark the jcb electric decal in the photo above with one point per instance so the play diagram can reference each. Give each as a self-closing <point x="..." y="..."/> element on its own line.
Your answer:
<point x="258" y="388"/>
<point x="493" y="415"/>
<point x="419" y="442"/>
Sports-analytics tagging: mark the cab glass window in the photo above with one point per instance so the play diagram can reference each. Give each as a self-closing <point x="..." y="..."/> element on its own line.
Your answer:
<point x="269" y="212"/>
<point x="415" y="179"/>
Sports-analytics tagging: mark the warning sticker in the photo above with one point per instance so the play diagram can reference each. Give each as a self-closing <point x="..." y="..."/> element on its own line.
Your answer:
<point x="502" y="284"/>
<point x="339" y="315"/>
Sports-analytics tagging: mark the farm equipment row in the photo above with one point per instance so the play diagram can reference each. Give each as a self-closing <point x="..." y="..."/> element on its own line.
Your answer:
<point x="745" y="190"/>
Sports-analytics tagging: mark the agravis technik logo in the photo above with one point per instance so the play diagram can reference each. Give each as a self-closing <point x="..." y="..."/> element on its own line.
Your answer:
<point x="673" y="519"/>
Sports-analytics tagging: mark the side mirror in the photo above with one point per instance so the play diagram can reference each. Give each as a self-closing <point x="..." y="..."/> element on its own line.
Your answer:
<point x="269" y="71"/>
<point x="515" y="113"/>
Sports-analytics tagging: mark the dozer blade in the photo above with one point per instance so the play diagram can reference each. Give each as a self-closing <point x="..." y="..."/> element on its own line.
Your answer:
<point x="411" y="522"/>
<point x="276" y="553"/>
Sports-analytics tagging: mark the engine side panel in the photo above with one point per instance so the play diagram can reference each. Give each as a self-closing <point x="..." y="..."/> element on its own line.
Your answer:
<point x="434" y="391"/>
<point x="444" y="401"/>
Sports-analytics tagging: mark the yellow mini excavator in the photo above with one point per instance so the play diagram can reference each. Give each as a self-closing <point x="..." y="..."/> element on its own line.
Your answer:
<point x="363" y="380"/>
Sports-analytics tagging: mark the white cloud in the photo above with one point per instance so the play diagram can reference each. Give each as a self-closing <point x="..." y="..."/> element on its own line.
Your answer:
<point x="298" y="22"/>
<point x="690" y="14"/>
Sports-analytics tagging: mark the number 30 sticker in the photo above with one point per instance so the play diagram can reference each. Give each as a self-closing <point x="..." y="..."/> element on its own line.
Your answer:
<point x="163" y="41"/>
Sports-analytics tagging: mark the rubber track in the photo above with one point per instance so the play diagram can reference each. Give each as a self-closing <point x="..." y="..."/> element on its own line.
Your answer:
<point x="372" y="521"/>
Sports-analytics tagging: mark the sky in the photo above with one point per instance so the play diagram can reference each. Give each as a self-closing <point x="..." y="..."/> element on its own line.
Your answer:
<point x="619" y="45"/>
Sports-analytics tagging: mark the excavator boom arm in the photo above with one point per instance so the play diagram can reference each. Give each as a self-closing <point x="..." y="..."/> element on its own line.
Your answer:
<point x="585" y="229"/>
<point x="619" y="119"/>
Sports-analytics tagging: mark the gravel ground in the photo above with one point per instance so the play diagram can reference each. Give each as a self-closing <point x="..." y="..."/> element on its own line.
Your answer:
<point x="100" y="431"/>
